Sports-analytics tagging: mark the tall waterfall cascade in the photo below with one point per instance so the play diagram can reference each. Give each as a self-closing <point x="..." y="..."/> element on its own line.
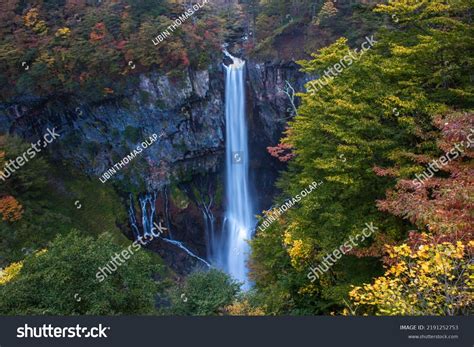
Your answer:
<point x="239" y="219"/>
<point x="229" y="249"/>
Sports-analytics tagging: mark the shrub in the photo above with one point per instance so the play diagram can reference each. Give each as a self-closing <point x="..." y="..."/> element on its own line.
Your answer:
<point x="204" y="294"/>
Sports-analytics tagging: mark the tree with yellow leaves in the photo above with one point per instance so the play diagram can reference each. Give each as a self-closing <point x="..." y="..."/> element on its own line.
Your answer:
<point x="10" y="272"/>
<point x="432" y="279"/>
<point x="327" y="11"/>
<point x="243" y="308"/>
<point x="63" y="32"/>
<point x="32" y="21"/>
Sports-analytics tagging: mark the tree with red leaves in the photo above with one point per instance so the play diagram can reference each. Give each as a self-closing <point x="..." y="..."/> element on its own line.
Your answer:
<point x="284" y="150"/>
<point x="443" y="204"/>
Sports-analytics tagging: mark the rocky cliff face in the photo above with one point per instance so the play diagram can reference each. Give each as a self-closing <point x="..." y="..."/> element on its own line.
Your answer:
<point x="271" y="89"/>
<point x="185" y="166"/>
<point x="186" y="110"/>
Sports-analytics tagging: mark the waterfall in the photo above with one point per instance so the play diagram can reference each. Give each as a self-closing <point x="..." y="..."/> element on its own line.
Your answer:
<point x="212" y="246"/>
<point x="149" y="199"/>
<point x="205" y="202"/>
<point x="181" y="245"/>
<point x="209" y="222"/>
<point x="133" y="219"/>
<point x="167" y="211"/>
<point x="147" y="207"/>
<point x="239" y="219"/>
<point x="229" y="250"/>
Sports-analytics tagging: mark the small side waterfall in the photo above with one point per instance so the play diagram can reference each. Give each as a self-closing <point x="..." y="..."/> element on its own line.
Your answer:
<point x="239" y="219"/>
<point x="133" y="219"/>
<point x="148" y="211"/>
<point x="180" y="245"/>
<point x="209" y="224"/>
<point x="167" y="211"/>
<point x="204" y="200"/>
<point x="148" y="214"/>
<point x="147" y="207"/>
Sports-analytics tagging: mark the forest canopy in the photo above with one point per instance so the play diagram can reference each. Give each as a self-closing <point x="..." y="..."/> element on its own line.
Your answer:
<point x="389" y="136"/>
<point x="368" y="133"/>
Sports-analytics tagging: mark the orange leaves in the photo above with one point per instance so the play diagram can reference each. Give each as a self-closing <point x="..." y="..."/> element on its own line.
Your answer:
<point x="83" y="76"/>
<point x="32" y="21"/>
<point x="98" y="32"/>
<point x="10" y="209"/>
<point x="120" y="45"/>
<point x="376" y="249"/>
<point x="282" y="151"/>
<point x="379" y="171"/>
<point x="31" y="17"/>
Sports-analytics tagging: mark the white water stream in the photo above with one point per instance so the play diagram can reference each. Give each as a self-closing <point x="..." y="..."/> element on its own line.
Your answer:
<point x="239" y="217"/>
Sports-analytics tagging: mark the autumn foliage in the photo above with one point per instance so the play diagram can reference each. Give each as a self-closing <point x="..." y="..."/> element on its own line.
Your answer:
<point x="10" y="272"/>
<point x="10" y="209"/>
<point x="82" y="47"/>
<point x="442" y="205"/>
<point x="369" y="134"/>
<point x="433" y="279"/>
<point x="282" y="151"/>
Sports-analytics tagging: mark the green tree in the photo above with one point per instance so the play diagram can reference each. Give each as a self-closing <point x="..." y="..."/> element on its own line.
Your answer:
<point x="61" y="280"/>
<point x="203" y="294"/>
